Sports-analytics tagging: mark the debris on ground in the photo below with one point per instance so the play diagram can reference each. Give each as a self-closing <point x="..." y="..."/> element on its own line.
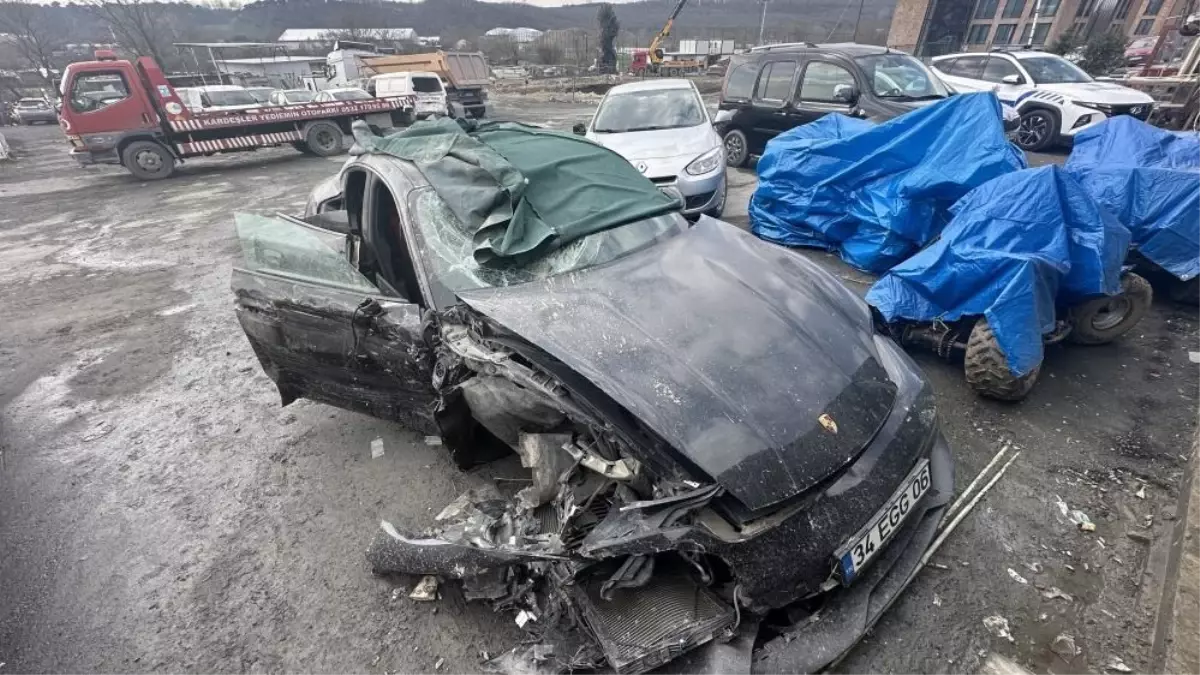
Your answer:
<point x="425" y="590"/>
<point x="1034" y="567"/>
<point x="1056" y="593"/>
<point x="939" y="566"/>
<point x="937" y="600"/>
<point x="397" y="592"/>
<point x="1141" y="493"/>
<point x="1064" y="646"/>
<point x="998" y="626"/>
<point x="1017" y="577"/>
<point x="1139" y="536"/>
<point x="1116" y="664"/>
<point x="377" y="448"/>
<point x="433" y="440"/>
<point x="437" y="665"/>
<point x="1075" y="515"/>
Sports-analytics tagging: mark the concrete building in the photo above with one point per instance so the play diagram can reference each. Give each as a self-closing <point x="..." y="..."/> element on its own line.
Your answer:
<point x="285" y="72"/>
<point x="518" y="35"/>
<point x="933" y="27"/>
<point x="301" y="37"/>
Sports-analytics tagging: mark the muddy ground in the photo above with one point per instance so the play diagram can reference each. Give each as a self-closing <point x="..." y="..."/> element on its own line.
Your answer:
<point x="160" y="511"/>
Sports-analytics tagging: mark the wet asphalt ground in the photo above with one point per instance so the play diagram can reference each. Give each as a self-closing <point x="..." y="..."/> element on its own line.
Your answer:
<point x="160" y="511"/>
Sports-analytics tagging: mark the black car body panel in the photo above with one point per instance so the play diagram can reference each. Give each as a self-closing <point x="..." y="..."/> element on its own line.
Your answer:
<point x="710" y="423"/>
<point x="718" y="319"/>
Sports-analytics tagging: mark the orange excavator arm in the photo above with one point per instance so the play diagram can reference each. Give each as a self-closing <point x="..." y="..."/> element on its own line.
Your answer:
<point x="655" y="56"/>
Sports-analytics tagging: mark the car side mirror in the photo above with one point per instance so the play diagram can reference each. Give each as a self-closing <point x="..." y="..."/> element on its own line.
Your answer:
<point x="1012" y="79"/>
<point x="846" y="93"/>
<point x="580" y="129"/>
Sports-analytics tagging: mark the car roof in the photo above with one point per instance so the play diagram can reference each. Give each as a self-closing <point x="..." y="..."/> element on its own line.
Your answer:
<point x="220" y="87"/>
<point x="344" y="89"/>
<point x="650" y="85"/>
<point x="851" y="49"/>
<point x="1015" y="53"/>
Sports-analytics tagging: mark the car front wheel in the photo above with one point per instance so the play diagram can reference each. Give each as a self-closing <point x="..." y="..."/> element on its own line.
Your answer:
<point x="1038" y="130"/>
<point x="737" y="148"/>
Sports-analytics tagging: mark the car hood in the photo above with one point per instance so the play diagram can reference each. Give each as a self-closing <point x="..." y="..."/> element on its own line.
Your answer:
<point x="757" y="367"/>
<point x="1099" y="92"/>
<point x="664" y="152"/>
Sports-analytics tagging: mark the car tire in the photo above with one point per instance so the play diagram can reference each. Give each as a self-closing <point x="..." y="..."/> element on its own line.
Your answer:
<point x="1038" y="130"/>
<point x="324" y="139"/>
<point x="737" y="148"/>
<point x="148" y="160"/>
<point x="1102" y="320"/>
<point x="987" y="370"/>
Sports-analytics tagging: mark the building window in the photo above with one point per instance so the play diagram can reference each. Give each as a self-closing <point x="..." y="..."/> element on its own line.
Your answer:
<point x="1004" y="34"/>
<point x="1122" y="9"/>
<point x="978" y="34"/>
<point x="986" y="9"/>
<point x="1014" y="9"/>
<point x="1152" y="7"/>
<point x="1085" y="8"/>
<point x="1144" y="27"/>
<point x="1039" y="34"/>
<point x="1050" y="7"/>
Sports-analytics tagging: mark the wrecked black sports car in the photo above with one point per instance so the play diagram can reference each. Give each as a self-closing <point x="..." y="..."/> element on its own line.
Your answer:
<point x="727" y="463"/>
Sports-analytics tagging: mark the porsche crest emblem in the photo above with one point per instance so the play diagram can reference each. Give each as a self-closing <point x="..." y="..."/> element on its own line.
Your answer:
<point x="827" y="422"/>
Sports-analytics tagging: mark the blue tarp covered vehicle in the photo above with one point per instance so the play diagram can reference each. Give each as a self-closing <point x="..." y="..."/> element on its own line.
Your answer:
<point x="1034" y="256"/>
<point x="1149" y="179"/>
<point x="878" y="193"/>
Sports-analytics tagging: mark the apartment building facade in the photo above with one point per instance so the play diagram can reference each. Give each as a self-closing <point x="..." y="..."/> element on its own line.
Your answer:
<point x="932" y="27"/>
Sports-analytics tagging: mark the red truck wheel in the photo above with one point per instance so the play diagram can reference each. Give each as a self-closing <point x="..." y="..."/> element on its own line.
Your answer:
<point x="148" y="160"/>
<point x="323" y="139"/>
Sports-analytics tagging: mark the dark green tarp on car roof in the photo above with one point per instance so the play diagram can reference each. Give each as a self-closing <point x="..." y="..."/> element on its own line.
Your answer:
<point x="522" y="190"/>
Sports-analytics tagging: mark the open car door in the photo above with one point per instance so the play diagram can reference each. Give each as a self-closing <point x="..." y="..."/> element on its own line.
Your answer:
<point x="322" y="331"/>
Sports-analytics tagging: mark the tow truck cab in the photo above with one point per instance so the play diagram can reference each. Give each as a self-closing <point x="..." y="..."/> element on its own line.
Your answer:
<point x="109" y="104"/>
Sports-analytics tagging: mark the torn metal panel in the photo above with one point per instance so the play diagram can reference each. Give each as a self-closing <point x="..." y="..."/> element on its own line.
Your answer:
<point x="392" y="551"/>
<point x="544" y="456"/>
<point x="320" y="343"/>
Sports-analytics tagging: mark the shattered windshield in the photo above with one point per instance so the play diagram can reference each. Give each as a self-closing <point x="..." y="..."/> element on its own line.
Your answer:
<point x="900" y="76"/>
<point x="1053" y="70"/>
<point x="448" y="249"/>
<point x="649" y="110"/>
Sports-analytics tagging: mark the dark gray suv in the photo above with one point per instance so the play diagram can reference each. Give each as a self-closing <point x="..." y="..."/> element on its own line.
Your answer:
<point x="775" y="88"/>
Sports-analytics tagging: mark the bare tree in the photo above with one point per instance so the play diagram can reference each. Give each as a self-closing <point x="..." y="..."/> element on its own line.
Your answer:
<point x="35" y="35"/>
<point x="143" y="28"/>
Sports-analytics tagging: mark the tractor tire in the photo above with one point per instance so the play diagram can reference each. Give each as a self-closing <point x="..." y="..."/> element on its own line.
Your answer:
<point x="737" y="148"/>
<point x="1185" y="292"/>
<point x="148" y="160"/>
<point x="987" y="370"/>
<point x="1038" y="130"/>
<point x="1102" y="320"/>
<point x="324" y="139"/>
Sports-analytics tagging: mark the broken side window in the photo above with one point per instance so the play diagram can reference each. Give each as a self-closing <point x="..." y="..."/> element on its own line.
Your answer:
<point x="291" y="249"/>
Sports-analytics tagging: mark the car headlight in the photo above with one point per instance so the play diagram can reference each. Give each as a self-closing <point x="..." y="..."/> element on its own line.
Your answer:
<point x="706" y="163"/>
<point x="1102" y="107"/>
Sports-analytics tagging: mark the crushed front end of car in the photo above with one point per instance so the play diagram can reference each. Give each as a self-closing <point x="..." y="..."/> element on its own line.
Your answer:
<point x="721" y="449"/>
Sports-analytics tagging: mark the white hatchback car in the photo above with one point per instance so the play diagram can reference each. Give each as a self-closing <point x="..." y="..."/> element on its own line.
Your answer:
<point x="1055" y="98"/>
<point x="663" y="129"/>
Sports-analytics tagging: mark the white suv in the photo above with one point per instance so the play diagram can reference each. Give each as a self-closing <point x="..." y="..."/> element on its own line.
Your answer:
<point x="1055" y="98"/>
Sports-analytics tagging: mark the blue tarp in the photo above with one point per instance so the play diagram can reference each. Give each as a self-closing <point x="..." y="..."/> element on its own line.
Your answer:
<point x="1016" y="248"/>
<point x="1150" y="180"/>
<point x="877" y="193"/>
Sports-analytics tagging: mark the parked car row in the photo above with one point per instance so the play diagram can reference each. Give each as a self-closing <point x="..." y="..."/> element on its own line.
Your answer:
<point x="426" y="88"/>
<point x="1047" y="99"/>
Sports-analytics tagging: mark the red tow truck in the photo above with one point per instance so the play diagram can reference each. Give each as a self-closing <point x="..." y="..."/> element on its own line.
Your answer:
<point x="127" y="113"/>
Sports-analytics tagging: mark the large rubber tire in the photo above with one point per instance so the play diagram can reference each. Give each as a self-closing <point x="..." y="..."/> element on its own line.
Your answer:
<point x="987" y="370"/>
<point x="1186" y="292"/>
<point x="737" y="148"/>
<point x="324" y="139"/>
<point x="1038" y="130"/>
<point x="1102" y="320"/>
<point x="148" y="160"/>
<point x="302" y="147"/>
